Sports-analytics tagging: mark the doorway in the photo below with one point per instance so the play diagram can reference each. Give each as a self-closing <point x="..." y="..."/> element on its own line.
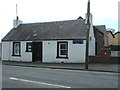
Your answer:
<point x="37" y="52"/>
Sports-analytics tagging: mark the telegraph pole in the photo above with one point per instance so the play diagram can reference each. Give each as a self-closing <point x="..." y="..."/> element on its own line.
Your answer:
<point x="16" y="13"/>
<point x="87" y="35"/>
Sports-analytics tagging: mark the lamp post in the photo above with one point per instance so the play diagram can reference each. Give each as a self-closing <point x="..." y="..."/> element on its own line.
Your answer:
<point x="87" y="35"/>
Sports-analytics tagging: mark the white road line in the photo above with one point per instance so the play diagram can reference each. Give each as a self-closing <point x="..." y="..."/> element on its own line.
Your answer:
<point x="17" y="79"/>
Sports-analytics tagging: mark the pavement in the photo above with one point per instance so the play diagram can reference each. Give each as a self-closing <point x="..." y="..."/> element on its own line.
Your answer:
<point x="101" y="67"/>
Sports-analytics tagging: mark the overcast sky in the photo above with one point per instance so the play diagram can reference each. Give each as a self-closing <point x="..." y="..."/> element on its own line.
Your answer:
<point x="105" y="12"/>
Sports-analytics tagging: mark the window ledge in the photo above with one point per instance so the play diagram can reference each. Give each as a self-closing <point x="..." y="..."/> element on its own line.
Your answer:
<point x="17" y="55"/>
<point x="28" y="51"/>
<point x="62" y="57"/>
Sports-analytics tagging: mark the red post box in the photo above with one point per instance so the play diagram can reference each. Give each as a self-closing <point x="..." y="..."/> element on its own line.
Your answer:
<point x="105" y="53"/>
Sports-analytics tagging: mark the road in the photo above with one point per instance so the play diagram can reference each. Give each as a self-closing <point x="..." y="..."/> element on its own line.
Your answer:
<point x="28" y="77"/>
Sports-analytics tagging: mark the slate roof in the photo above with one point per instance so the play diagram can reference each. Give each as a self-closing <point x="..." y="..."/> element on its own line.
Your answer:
<point x="97" y="29"/>
<point x="70" y="29"/>
<point x="101" y="28"/>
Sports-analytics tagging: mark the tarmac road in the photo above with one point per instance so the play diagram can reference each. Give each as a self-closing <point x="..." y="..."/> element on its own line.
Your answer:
<point x="28" y="77"/>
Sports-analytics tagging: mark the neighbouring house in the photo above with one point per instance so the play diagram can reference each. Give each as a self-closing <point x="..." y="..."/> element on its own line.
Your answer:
<point x="113" y="41"/>
<point x="110" y="38"/>
<point x="117" y="38"/>
<point x="49" y="42"/>
<point x="102" y="29"/>
<point x="99" y="41"/>
<point x="115" y="47"/>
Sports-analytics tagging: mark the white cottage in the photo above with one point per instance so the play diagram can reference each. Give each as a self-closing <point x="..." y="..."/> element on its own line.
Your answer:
<point x="61" y="41"/>
<point x="48" y="42"/>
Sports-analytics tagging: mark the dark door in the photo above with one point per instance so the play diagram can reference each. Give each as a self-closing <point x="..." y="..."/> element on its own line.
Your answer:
<point x="96" y="48"/>
<point x="37" y="51"/>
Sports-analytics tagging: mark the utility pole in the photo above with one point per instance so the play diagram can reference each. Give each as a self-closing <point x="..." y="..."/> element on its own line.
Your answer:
<point x="16" y="13"/>
<point x="87" y="35"/>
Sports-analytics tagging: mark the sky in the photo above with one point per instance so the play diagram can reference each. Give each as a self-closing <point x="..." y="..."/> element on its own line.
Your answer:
<point x="105" y="12"/>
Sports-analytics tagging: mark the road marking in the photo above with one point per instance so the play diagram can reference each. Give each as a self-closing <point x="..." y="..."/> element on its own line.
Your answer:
<point x="24" y="80"/>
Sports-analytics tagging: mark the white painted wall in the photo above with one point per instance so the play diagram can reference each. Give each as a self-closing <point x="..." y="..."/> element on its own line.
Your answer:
<point x="76" y="52"/>
<point x="92" y="42"/>
<point x="91" y="35"/>
<point x="7" y="48"/>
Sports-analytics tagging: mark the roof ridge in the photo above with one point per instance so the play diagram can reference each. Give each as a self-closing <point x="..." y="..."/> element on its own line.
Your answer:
<point x="53" y="21"/>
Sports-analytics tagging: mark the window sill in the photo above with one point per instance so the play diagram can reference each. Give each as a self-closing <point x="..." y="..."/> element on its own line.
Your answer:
<point x="62" y="57"/>
<point x="28" y="51"/>
<point x="17" y="55"/>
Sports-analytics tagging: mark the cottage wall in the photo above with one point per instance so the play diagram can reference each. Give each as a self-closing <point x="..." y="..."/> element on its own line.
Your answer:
<point x="76" y="52"/>
<point x="7" y="51"/>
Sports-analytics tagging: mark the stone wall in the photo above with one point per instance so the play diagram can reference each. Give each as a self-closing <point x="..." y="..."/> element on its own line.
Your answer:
<point x="109" y="60"/>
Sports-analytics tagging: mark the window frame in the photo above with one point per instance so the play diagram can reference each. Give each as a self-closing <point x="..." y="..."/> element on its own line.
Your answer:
<point x="27" y="48"/>
<point x="59" y="50"/>
<point x="14" y="54"/>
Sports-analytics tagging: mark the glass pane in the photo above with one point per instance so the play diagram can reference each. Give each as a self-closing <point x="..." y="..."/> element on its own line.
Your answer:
<point x="29" y="47"/>
<point x="62" y="46"/>
<point x="63" y="52"/>
<point x="16" y="48"/>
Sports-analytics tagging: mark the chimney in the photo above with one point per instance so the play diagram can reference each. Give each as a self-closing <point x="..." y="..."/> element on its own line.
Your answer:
<point x="16" y="22"/>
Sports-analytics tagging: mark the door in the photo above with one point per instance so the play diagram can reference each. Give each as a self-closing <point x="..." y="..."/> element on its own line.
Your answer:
<point x="37" y="52"/>
<point x="96" y="48"/>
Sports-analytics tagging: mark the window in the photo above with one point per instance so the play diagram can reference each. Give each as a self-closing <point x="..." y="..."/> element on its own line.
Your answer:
<point x="29" y="47"/>
<point x="62" y="50"/>
<point x="16" y="48"/>
<point x="90" y="38"/>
